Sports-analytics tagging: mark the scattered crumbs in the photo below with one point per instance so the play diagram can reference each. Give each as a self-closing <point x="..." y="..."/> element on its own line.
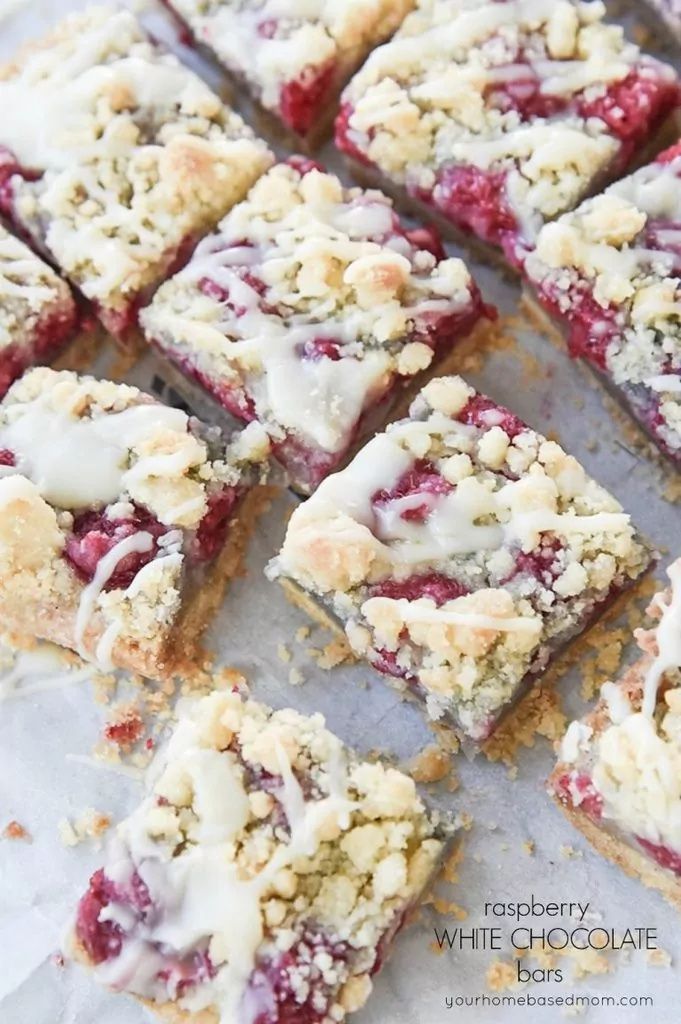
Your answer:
<point x="296" y="677"/>
<point x="283" y="653"/>
<point x="466" y="821"/>
<point x="539" y="714"/>
<point x="529" y="847"/>
<point x="57" y="959"/>
<point x="336" y="652"/>
<point x="587" y="961"/>
<point x="658" y="958"/>
<point x="436" y="948"/>
<point x="430" y="765"/>
<point x="13" y="830"/>
<point x="91" y="824"/>
<point x="445" y="906"/>
<point x="512" y="772"/>
<point x="570" y="853"/>
<point x="302" y="633"/>
<point x="125" y="726"/>
<point x="501" y="975"/>
<point x="450" y="868"/>
<point x="672" y="491"/>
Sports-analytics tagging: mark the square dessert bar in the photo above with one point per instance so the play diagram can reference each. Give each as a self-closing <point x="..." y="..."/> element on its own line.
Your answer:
<point x="118" y="518"/>
<point x="115" y="159"/>
<point x="309" y="309"/>
<point x="294" y="57"/>
<point x="618" y="779"/>
<point x="460" y="550"/>
<point x="37" y="311"/>
<point x="264" y="876"/>
<point x="610" y="272"/>
<point x="501" y="115"/>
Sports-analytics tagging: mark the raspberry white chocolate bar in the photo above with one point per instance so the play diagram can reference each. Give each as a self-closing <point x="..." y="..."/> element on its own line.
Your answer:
<point x="610" y="272"/>
<point x="265" y="875"/>
<point x="502" y="114"/>
<point x="309" y="309"/>
<point x="619" y="773"/>
<point x="460" y="550"/>
<point x="115" y="159"/>
<point x="37" y="311"/>
<point x="294" y="57"/>
<point x="117" y="514"/>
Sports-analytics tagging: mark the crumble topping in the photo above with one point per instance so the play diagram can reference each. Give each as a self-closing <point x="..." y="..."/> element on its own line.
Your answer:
<point x="621" y="248"/>
<point x="267" y="812"/>
<point x="513" y="87"/>
<point x="29" y="292"/>
<point x="458" y="548"/>
<point x="101" y="485"/>
<point x="272" y="45"/>
<point x="309" y="300"/>
<point x="622" y="764"/>
<point x="122" y="154"/>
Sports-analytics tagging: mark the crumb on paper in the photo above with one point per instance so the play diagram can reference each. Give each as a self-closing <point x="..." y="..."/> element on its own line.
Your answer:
<point x="125" y="726"/>
<point x="336" y="652"/>
<point x="283" y="653"/>
<point x="15" y="831"/>
<point x="91" y="824"/>
<point x="431" y="764"/>
<point x="302" y="634"/>
<point x="569" y="852"/>
<point x="465" y="820"/>
<point x="658" y="958"/>
<point x="450" y="868"/>
<point x="296" y="677"/>
<point x="529" y="847"/>
<point x="501" y="975"/>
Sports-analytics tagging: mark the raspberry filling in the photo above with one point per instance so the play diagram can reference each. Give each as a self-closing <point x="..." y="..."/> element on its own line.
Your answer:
<point x="212" y="530"/>
<point x="541" y="563"/>
<point x="276" y="982"/>
<point x="434" y="585"/>
<point x="7" y="457"/>
<point x="303" y="100"/>
<point x="95" y="535"/>
<point x="662" y="855"/>
<point x="102" y="940"/>
<point x="474" y="199"/>
<point x="632" y="107"/>
<point x="422" y="478"/>
<point x="590" y="800"/>
<point x="342" y="136"/>
<point x="483" y="413"/>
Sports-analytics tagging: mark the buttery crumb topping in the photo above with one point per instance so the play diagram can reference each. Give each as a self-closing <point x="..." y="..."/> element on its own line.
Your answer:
<point x="500" y="87"/>
<point x="458" y="548"/>
<point x="311" y="298"/>
<point x="621" y="248"/>
<point x="30" y="292"/>
<point x="133" y="152"/>
<point x="264" y="812"/>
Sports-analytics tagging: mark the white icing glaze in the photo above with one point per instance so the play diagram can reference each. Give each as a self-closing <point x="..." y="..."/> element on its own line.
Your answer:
<point x="199" y="889"/>
<point x="80" y="462"/>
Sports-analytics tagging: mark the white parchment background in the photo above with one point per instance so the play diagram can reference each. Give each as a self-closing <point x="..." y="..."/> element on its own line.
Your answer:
<point x="41" y="783"/>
